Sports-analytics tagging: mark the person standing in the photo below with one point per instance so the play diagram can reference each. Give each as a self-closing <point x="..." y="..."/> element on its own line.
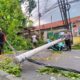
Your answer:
<point x="2" y="41"/>
<point x="34" y="40"/>
<point x="68" y="38"/>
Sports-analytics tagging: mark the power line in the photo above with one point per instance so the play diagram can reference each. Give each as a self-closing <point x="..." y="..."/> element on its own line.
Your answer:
<point x="46" y="5"/>
<point x="64" y="9"/>
<point x="56" y="5"/>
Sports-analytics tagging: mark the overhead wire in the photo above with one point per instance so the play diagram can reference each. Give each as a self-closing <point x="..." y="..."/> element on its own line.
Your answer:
<point x="55" y="6"/>
<point x="64" y="10"/>
<point x="46" y="5"/>
<point x="51" y="66"/>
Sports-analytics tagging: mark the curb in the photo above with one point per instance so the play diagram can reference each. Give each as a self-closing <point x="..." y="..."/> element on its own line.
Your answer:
<point x="6" y="76"/>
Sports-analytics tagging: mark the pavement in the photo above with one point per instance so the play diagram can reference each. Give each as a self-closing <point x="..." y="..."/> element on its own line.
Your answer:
<point x="68" y="59"/>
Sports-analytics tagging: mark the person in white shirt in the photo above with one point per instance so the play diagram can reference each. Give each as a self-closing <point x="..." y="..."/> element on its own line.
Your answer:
<point x="34" y="40"/>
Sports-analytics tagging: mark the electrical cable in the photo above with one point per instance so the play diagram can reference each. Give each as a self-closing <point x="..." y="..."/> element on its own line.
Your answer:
<point x="60" y="11"/>
<point x="51" y="66"/>
<point x="55" y="6"/>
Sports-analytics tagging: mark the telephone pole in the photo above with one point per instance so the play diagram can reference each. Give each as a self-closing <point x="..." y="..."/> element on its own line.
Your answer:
<point x="39" y="15"/>
<point x="51" y="23"/>
<point x="64" y="7"/>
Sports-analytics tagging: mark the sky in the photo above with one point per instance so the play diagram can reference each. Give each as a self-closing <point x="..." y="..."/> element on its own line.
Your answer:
<point x="47" y="11"/>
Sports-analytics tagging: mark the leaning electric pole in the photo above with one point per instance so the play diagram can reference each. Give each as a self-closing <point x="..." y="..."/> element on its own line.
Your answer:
<point x="64" y="7"/>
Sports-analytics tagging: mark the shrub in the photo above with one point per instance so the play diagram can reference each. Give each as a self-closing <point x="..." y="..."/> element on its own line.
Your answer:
<point x="8" y="66"/>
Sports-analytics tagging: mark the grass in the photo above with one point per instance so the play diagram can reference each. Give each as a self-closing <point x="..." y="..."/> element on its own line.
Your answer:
<point x="53" y="71"/>
<point x="57" y="52"/>
<point x="76" y="47"/>
<point x="8" y="52"/>
<point x="7" y="65"/>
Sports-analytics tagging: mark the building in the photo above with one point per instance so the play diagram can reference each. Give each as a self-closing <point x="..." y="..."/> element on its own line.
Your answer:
<point x="58" y="26"/>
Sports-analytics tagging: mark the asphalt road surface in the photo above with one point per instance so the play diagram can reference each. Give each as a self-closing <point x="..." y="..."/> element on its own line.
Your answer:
<point x="68" y="59"/>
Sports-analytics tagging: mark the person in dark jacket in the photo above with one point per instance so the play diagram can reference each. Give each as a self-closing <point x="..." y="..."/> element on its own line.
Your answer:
<point x="68" y="38"/>
<point x="2" y="41"/>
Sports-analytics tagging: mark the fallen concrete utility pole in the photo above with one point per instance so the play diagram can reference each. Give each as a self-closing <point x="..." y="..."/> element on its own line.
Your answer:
<point x="24" y="56"/>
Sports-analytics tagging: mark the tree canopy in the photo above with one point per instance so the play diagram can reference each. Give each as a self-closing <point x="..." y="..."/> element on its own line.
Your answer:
<point x="11" y="17"/>
<point x="32" y="5"/>
<point x="11" y="21"/>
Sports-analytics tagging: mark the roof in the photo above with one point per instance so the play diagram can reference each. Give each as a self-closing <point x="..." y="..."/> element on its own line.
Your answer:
<point x="55" y="24"/>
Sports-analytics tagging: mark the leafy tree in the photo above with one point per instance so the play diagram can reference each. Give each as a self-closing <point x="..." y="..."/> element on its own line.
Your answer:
<point x="32" y="5"/>
<point x="11" y="16"/>
<point x="12" y="20"/>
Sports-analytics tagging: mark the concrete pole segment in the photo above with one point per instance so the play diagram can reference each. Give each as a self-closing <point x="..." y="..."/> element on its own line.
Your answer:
<point x="24" y="56"/>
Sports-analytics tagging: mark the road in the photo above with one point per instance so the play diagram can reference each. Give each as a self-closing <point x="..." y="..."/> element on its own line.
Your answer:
<point x="68" y="59"/>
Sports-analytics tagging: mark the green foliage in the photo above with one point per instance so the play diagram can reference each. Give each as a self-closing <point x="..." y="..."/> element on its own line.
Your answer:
<point x="11" y="16"/>
<point x="41" y="42"/>
<point x="19" y="43"/>
<point x="76" y="47"/>
<point x="32" y="5"/>
<point x="29" y="23"/>
<point x="12" y="21"/>
<point x="8" y="66"/>
<point x="71" y="75"/>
